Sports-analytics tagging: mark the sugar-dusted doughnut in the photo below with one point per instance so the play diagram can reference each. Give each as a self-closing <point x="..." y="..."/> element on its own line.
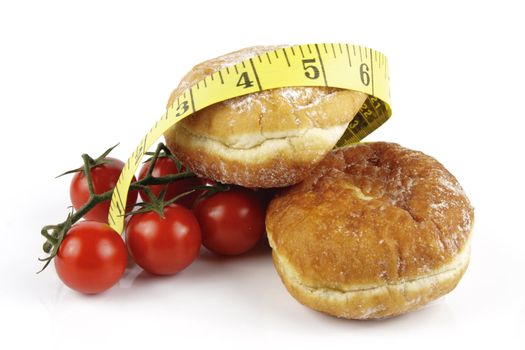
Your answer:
<point x="270" y="138"/>
<point x="375" y="231"/>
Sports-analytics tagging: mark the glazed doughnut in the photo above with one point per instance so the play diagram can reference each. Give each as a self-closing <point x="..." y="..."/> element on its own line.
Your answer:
<point x="375" y="231"/>
<point x="270" y="138"/>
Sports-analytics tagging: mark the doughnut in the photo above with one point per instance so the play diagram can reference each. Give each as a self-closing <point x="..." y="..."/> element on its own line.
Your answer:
<point x="272" y="138"/>
<point x="376" y="230"/>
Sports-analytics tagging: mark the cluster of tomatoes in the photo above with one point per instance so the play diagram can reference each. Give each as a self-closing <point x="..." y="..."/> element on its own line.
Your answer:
<point x="92" y="256"/>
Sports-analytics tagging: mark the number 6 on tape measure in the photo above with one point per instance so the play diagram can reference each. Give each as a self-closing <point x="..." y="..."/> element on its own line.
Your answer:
<point x="342" y="66"/>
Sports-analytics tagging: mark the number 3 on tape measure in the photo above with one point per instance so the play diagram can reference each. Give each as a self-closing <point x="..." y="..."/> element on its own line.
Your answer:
<point x="182" y="108"/>
<point x="341" y="66"/>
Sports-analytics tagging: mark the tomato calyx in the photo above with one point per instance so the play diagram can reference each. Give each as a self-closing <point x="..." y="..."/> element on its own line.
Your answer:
<point x="91" y="163"/>
<point x="156" y="204"/>
<point x="161" y="152"/>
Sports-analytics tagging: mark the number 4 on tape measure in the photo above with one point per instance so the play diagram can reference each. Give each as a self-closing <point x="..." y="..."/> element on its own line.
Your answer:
<point x="335" y="65"/>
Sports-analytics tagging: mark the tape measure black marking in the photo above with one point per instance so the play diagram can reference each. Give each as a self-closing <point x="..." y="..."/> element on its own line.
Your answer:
<point x="351" y="67"/>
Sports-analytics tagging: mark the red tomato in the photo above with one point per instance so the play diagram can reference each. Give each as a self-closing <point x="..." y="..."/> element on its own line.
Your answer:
<point x="105" y="177"/>
<point x="91" y="258"/>
<point x="164" y="246"/>
<point x="232" y="222"/>
<point x="166" y="166"/>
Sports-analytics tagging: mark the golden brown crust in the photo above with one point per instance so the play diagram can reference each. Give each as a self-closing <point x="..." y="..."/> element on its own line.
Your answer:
<point x="370" y="215"/>
<point x="267" y="111"/>
<point x="241" y="126"/>
<point x="270" y="172"/>
<point x="264" y="114"/>
<point x="208" y="67"/>
<point x="383" y="301"/>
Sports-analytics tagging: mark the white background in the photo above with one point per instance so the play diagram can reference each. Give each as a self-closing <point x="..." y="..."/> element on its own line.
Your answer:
<point x="80" y="76"/>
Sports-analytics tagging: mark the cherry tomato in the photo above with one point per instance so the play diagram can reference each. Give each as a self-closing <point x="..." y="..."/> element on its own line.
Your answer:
<point x="164" y="246"/>
<point x="105" y="177"/>
<point x="232" y="222"/>
<point x="91" y="258"/>
<point x="167" y="166"/>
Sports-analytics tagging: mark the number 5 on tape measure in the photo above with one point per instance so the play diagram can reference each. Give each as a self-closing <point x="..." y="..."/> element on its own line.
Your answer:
<point x="335" y="65"/>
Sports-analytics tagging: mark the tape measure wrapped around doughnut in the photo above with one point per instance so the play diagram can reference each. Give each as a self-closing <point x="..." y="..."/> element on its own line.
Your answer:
<point x="289" y="81"/>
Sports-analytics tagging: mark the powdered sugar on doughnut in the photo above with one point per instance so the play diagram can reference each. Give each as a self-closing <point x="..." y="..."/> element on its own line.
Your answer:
<point x="422" y="214"/>
<point x="206" y="68"/>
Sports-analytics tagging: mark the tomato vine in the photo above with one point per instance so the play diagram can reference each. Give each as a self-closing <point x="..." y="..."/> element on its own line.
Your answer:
<point x="55" y="233"/>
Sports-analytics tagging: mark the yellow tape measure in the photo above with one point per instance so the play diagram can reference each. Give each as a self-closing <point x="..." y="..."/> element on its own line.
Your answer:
<point x="335" y="65"/>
